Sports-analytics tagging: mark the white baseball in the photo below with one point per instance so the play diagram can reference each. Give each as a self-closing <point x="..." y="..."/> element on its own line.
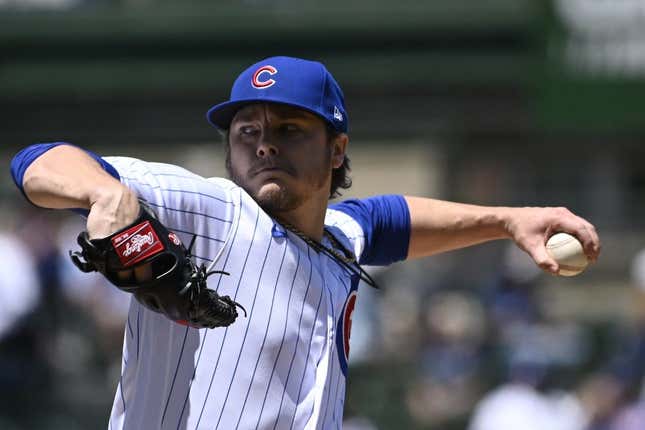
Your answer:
<point x="567" y="251"/>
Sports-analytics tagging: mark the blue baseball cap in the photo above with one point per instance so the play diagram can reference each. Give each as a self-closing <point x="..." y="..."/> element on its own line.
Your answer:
<point x="293" y="81"/>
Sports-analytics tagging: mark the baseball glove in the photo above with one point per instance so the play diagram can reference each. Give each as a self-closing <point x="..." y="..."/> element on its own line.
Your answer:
<point x="147" y="260"/>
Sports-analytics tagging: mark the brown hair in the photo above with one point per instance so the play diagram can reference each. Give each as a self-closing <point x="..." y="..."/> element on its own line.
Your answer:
<point x="340" y="177"/>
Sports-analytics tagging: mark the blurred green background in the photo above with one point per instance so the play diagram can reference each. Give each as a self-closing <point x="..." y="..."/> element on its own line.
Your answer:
<point x="496" y="102"/>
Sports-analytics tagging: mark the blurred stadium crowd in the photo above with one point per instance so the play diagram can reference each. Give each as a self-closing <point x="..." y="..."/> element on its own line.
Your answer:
<point x="60" y="332"/>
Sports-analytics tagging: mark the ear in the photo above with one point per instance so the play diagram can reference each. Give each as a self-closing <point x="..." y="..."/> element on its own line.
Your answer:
<point x="338" y="148"/>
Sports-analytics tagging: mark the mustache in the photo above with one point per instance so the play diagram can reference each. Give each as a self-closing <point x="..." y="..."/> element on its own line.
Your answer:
<point x="271" y="164"/>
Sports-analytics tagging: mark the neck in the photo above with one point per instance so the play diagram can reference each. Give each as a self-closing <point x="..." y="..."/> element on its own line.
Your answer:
<point x="309" y="218"/>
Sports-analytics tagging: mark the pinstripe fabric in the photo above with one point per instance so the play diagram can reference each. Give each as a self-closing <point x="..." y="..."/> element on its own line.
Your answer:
<point x="278" y="368"/>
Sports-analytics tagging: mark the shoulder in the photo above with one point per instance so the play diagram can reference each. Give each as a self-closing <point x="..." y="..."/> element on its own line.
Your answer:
<point x="346" y="229"/>
<point x="164" y="177"/>
<point x="341" y="220"/>
<point x="176" y="193"/>
<point x="224" y="183"/>
<point x="379" y="226"/>
<point x="129" y="166"/>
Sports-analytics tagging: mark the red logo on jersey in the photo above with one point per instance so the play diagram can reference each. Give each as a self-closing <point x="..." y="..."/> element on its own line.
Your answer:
<point x="347" y="321"/>
<point x="136" y="244"/>
<point x="344" y="328"/>
<point x="258" y="77"/>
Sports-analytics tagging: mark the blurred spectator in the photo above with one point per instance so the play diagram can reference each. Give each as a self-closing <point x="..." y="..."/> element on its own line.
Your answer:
<point x="450" y="359"/>
<point x="25" y="374"/>
<point x="510" y="298"/>
<point x="514" y="406"/>
<point x="628" y="363"/>
<point x="98" y="305"/>
<point x="21" y="355"/>
<point x="91" y="292"/>
<point x="632" y="417"/>
<point x="358" y="423"/>
<point x="399" y="312"/>
<point x="19" y="284"/>
<point x="599" y="395"/>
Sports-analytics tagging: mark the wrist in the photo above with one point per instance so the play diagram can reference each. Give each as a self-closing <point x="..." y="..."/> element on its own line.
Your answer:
<point x="501" y="219"/>
<point x="111" y="208"/>
<point x="109" y="194"/>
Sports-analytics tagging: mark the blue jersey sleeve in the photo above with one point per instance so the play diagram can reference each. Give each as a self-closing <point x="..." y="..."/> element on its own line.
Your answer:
<point x="23" y="159"/>
<point x="386" y="224"/>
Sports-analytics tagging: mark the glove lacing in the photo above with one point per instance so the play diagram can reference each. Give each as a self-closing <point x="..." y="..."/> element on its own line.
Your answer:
<point x="200" y="274"/>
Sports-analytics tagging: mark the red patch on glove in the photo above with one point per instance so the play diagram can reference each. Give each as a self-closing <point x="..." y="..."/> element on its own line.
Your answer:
<point x="137" y="243"/>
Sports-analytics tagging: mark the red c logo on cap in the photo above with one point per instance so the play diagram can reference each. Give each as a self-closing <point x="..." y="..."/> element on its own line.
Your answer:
<point x="257" y="83"/>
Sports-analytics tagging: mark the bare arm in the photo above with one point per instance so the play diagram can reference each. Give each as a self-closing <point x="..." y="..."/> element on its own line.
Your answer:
<point x="439" y="226"/>
<point x="66" y="177"/>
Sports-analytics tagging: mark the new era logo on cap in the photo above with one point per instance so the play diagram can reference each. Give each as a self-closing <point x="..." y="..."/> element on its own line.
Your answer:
<point x="337" y="114"/>
<point x="293" y="81"/>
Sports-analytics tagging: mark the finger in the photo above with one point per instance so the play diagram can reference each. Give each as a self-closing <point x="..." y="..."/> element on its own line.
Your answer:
<point x="124" y="275"/>
<point x="543" y="259"/>
<point x="568" y="222"/>
<point x="590" y="242"/>
<point x="143" y="273"/>
<point x="586" y="233"/>
<point x="595" y="245"/>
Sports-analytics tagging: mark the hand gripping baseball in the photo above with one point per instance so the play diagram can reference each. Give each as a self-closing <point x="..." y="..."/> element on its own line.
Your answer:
<point x="147" y="260"/>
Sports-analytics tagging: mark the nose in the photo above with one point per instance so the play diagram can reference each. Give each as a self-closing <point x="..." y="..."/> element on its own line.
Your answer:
<point x="266" y="148"/>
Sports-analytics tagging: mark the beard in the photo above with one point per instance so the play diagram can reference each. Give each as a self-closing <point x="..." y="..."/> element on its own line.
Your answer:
<point x="278" y="197"/>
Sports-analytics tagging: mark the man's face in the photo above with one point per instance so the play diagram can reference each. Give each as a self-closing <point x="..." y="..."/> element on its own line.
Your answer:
<point x="280" y="155"/>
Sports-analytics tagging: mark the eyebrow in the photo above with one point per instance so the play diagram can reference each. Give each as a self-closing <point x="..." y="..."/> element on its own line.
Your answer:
<point x="292" y="112"/>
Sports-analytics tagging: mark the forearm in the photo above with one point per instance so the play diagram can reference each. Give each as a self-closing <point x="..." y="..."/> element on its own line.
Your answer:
<point x="438" y="226"/>
<point x="67" y="177"/>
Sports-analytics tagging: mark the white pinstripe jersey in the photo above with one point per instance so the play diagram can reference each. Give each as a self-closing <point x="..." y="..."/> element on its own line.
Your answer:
<point x="283" y="366"/>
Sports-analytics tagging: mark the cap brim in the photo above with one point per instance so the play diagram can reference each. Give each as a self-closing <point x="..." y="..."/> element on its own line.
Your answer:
<point x="222" y="114"/>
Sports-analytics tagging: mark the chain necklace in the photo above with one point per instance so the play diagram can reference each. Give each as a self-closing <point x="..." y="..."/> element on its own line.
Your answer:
<point x="346" y="258"/>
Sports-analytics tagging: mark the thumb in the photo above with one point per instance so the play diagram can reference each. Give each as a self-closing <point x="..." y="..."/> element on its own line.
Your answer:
<point x="543" y="259"/>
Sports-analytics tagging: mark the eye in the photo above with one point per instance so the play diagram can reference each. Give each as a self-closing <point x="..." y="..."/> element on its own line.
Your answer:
<point x="247" y="130"/>
<point x="290" y="129"/>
